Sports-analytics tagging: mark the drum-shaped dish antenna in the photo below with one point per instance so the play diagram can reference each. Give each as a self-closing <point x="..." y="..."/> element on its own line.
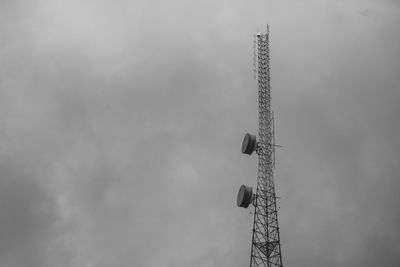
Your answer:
<point x="249" y="144"/>
<point x="245" y="196"/>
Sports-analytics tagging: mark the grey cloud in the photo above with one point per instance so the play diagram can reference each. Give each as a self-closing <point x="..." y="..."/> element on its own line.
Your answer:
<point x="122" y="122"/>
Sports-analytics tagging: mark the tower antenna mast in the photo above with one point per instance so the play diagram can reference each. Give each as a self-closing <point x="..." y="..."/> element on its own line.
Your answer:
<point x="265" y="244"/>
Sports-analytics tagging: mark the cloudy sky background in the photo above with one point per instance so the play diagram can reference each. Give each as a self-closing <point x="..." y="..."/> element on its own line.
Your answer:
<point x="121" y="124"/>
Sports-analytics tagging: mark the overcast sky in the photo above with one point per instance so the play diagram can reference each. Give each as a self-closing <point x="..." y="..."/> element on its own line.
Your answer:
<point x="121" y="125"/>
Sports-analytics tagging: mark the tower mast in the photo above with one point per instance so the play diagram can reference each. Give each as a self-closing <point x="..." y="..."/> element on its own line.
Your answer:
<point x="265" y="247"/>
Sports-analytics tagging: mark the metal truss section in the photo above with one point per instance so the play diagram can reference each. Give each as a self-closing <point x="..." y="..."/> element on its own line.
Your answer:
<point x="266" y="248"/>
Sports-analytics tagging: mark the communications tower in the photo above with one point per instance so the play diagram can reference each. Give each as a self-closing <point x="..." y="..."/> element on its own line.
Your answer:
<point x="265" y="244"/>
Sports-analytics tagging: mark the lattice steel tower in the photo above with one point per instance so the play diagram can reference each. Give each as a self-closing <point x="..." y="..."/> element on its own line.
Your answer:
<point x="266" y="247"/>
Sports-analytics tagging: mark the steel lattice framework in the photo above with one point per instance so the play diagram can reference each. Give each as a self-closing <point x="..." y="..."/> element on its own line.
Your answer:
<point x="266" y="248"/>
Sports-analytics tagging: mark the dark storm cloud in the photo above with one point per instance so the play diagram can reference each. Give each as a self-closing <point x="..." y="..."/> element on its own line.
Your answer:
<point x="122" y="122"/>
